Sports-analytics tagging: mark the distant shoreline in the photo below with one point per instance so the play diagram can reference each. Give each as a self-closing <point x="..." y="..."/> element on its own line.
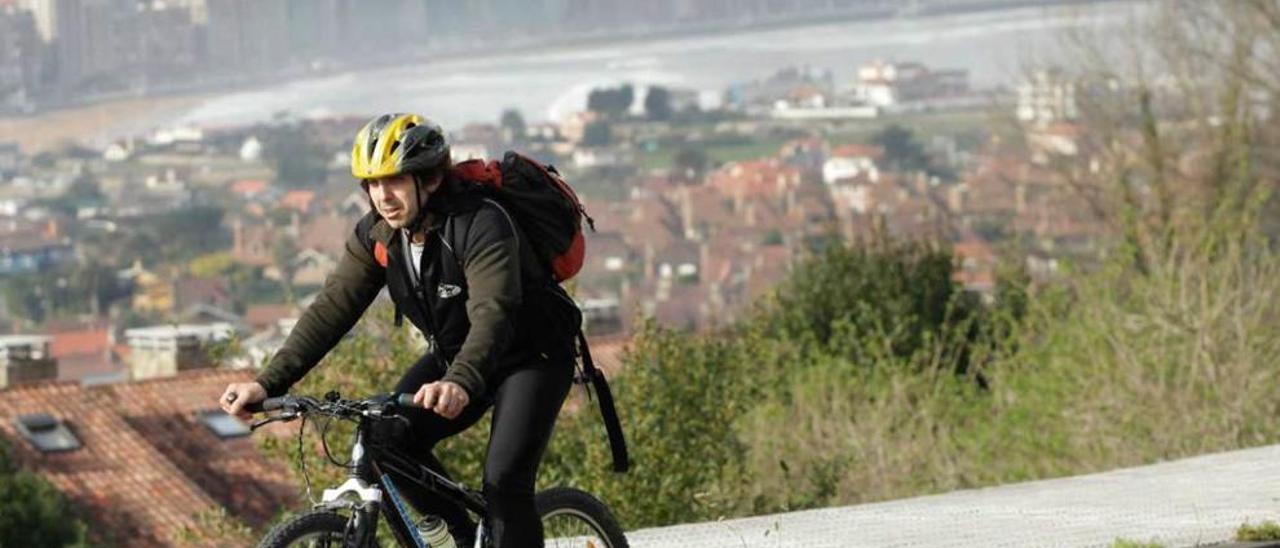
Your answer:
<point x="111" y="116"/>
<point x="552" y="46"/>
<point x="46" y="131"/>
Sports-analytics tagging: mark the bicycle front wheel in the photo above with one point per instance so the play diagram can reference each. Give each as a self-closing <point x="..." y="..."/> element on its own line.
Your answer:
<point x="314" y="529"/>
<point x="571" y="517"/>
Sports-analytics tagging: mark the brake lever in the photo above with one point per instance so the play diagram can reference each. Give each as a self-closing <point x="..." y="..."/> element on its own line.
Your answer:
<point x="283" y="417"/>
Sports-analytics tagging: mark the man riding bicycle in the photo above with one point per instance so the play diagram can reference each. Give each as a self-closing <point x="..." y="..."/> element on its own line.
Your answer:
<point x="457" y="265"/>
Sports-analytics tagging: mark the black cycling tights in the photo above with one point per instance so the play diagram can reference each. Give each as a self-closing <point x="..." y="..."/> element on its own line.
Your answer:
<point x="525" y="403"/>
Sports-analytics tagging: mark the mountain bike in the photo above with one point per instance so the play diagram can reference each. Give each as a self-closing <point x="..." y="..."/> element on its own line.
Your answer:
<point x="347" y="515"/>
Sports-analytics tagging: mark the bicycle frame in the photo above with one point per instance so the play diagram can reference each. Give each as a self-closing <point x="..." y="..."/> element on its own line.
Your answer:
<point x="370" y="480"/>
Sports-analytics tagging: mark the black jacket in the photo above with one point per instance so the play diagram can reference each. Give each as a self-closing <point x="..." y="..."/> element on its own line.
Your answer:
<point x="485" y="300"/>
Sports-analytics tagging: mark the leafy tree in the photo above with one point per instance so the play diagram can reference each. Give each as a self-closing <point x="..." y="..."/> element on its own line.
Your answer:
<point x="901" y="149"/>
<point x="898" y="294"/>
<point x="83" y="191"/>
<point x="26" y="297"/>
<point x="212" y="265"/>
<point x="691" y="163"/>
<point x="177" y="235"/>
<point x="657" y="103"/>
<point x="611" y="102"/>
<point x="678" y="401"/>
<point x="33" y="512"/>
<point x="298" y="159"/>
<point x="597" y="134"/>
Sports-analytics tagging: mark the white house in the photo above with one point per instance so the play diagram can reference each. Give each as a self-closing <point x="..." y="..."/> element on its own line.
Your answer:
<point x="251" y="149"/>
<point x="118" y="152"/>
<point x="852" y="197"/>
<point x="585" y="157"/>
<point x="1047" y="97"/>
<point x="851" y="162"/>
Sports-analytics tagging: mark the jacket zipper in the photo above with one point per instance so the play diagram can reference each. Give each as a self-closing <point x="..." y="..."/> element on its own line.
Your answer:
<point x="421" y="300"/>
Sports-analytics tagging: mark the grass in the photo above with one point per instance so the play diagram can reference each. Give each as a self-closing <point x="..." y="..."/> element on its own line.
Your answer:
<point x="1175" y="363"/>
<point x="1127" y="543"/>
<point x="923" y="124"/>
<point x="664" y="156"/>
<point x="1267" y="530"/>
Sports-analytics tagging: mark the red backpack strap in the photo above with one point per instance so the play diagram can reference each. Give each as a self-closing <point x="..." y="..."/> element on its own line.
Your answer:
<point x="368" y="230"/>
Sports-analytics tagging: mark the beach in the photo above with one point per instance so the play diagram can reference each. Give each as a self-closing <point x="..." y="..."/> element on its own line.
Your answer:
<point x="91" y="124"/>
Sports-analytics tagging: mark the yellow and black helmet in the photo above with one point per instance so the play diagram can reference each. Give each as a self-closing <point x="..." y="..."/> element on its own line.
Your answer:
<point x="392" y="144"/>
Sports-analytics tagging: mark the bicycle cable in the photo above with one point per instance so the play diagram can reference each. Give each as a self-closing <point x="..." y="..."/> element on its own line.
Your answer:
<point x="306" y="478"/>
<point x="324" y="442"/>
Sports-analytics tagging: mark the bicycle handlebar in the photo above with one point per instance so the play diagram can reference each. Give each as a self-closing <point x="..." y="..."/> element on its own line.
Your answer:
<point x="338" y="406"/>
<point x="267" y="405"/>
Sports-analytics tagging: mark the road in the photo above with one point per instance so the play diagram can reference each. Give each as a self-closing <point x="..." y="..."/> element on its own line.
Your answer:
<point x="1188" y="502"/>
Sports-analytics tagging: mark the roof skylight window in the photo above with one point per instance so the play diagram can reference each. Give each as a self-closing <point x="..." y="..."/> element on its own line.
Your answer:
<point x="223" y="425"/>
<point x="47" y="433"/>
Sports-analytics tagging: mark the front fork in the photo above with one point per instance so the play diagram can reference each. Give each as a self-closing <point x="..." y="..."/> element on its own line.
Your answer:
<point x="359" y="496"/>
<point x="363" y="484"/>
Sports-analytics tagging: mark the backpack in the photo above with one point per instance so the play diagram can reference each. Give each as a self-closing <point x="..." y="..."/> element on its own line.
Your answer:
<point x="551" y="215"/>
<point x="546" y="208"/>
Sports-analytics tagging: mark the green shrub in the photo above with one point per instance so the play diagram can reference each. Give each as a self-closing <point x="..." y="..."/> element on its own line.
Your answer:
<point x="1126" y="543"/>
<point x="1267" y="530"/>
<point x="32" y="511"/>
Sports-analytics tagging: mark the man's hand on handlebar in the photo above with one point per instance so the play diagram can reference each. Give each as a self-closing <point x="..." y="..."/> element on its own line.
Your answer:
<point x="446" y="398"/>
<point x="238" y="395"/>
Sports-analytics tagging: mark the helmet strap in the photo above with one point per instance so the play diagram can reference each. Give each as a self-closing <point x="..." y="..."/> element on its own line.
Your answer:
<point x="416" y="224"/>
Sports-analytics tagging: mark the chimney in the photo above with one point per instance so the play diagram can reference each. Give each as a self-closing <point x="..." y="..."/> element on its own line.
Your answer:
<point x="26" y="359"/>
<point x="163" y="351"/>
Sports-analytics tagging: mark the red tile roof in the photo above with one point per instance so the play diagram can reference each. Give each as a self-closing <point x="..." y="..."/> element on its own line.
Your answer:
<point x="248" y="187"/>
<point x="299" y="200"/>
<point x="326" y="233"/>
<point x="755" y="178"/>
<point x="147" y="468"/>
<point x="260" y="316"/>
<point x="79" y="343"/>
<point x="857" y="151"/>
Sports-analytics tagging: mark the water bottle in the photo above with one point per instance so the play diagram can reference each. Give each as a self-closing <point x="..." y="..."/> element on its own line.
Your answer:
<point x="435" y="533"/>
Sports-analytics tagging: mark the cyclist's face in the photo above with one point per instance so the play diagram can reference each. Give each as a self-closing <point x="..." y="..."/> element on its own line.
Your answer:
<point x="396" y="199"/>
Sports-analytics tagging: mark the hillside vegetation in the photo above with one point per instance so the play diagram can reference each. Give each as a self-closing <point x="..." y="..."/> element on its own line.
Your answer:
<point x="872" y="376"/>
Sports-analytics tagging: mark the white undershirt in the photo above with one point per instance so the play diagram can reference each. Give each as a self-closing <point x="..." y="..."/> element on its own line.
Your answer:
<point x="415" y="256"/>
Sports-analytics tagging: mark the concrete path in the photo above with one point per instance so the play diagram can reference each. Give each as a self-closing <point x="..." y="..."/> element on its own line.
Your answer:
<point x="1189" y="502"/>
